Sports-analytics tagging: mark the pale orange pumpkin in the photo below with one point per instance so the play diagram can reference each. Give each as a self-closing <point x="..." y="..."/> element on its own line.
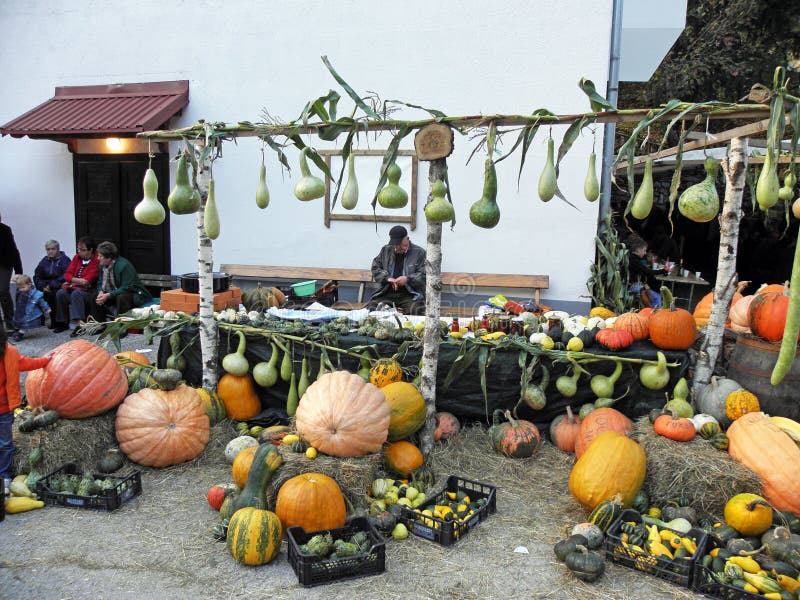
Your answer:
<point x="739" y="315"/>
<point x="158" y="428"/>
<point x="773" y="288"/>
<point x="598" y="421"/>
<point x="761" y="446"/>
<point x="312" y="501"/>
<point x="342" y="415"/>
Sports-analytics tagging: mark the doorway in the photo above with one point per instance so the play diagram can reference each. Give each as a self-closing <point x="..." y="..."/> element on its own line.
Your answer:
<point x="107" y="188"/>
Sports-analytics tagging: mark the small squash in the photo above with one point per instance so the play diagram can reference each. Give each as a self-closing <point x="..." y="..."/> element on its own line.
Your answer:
<point x="585" y="565"/>
<point x="385" y="371"/>
<point x="514" y="438"/>
<point x="402" y="457"/>
<point x="447" y="425"/>
<point x="739" y="403"/>
<point x="673" y="427"/>
<point x="236" y="445"/>
<point x="564" y="431"/>
<point x="241" y="465"/>
<point x="605" y="513"/>
<point x="749" y="514"/>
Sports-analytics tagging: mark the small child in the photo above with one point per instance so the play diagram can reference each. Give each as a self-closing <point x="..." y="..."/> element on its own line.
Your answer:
<point x="30" y="306"/>
<point x="11" y="363"/>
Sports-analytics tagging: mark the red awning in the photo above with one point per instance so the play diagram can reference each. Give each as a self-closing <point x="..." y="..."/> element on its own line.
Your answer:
<point x="102" y="110"/>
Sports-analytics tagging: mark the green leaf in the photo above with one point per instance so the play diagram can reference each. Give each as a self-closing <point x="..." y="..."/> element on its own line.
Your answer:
<point x="355" y="97"/>
<point x="431" y="111"/>
<point x="313" y="155"/>
<point x="466" y="357"/>
<point x="278" y="150"/>
<point x="570" y="135"/>
<point x="596" y="101"/>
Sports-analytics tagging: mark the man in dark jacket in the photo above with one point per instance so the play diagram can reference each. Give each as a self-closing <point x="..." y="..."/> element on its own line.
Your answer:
<point x="10" y="261"/>
<point x="119" y="286"/>
<point x="400" y="270"/>
<point x="49" y="274"/>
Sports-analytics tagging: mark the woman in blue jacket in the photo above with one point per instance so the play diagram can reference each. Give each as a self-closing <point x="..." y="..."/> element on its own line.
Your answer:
<point x="49" y="274"/>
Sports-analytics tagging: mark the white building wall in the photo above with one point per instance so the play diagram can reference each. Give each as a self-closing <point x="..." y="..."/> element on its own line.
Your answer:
<point x="463" y="57"/>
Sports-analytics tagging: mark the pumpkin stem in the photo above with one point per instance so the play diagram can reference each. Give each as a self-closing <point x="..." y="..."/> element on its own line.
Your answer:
<point x="752" y="505"/>
<point x="667" y="300"/>
<point x="510" y="418"/>
<point x="570" y="416"/>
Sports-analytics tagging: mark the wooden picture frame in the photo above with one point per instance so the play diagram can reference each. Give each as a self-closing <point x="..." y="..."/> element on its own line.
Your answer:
<point x="406" y="215"/>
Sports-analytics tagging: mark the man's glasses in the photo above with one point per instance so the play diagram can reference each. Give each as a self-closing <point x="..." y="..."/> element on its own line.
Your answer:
<point x="82" y="249"/>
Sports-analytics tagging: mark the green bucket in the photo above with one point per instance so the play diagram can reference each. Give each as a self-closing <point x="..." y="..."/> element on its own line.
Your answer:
<point x="305" y="288"/>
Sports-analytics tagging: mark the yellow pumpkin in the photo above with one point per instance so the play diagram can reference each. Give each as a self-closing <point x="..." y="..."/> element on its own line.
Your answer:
<point x="740" y="403"/>
<point x="408" y="410"/>
<point x="612" y="464"/>
<point x="749" y="514"/>
<point x="384" y="372"/>
<point x="602" y="312"/>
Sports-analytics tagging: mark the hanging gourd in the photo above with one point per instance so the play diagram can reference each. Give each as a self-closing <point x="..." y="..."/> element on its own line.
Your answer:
<point x="787" y="191"/>
<point x="655" y="377"/>
<point x="700" y="202"/>
<point x="235" y="363"/>
<point x="485" y="212"/>
<point x="643" y="200"/>
<point x="149" y="211"/>
<point x="293" y="398"/>
<point x="211" y="215"/>
<point x="591" y="187"/>
<point x="350" y="193"/>
<point x="392" y="195"/>
<point x="547" y="180"/>
<point x="303" y="382"/>
<point x="439" y="210"/>
<point x="308" y="187"/>
<point x="768" y="184"/>
<point x="262" y="192"/>
<point x="183" y="200"/>
<point x="175" y="360"/>
<point x="266" y="373"/>
<point x="286" y="364"/>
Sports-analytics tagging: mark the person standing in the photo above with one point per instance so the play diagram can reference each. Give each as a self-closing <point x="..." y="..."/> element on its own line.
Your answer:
<point x="73" y="300"/>
<point x="11" y="363"/>
<point x="49" y="274"/>
<point x="119" y="287"/>
<point x="10" y="261"/>
<point x="400" y="270"/>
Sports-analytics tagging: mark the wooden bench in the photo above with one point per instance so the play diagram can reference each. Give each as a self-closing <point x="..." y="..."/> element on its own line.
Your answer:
<point x="529" y="285"/>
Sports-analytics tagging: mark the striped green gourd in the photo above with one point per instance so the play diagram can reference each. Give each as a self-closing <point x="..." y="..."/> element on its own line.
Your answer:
<point x="254" y="536"/>
<point x="606" y="513"/>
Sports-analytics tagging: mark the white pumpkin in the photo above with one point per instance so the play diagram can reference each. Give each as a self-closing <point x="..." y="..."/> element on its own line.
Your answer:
<point x="701" y="419"/>
<point x="593" y="322"/>
<point x="238" y="444"/>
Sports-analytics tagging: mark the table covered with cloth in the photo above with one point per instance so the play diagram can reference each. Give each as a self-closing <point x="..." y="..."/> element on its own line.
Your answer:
<point x="459" y="393"/>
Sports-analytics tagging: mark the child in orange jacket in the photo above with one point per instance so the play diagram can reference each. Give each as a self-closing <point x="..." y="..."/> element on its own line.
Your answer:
<point x="11" y="363"/>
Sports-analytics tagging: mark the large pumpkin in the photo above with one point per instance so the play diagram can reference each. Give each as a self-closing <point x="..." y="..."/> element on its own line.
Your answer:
<point x="158" y="428"/>
<point x="407" y="407"/>
<point x="254" y="536"/>
<point x="598" y="421"/>
<point x="312" y="501"/>
<point x="702" y="311"/>
<point x="672" y="328"/>
<point x="636" y="324"/>
<point x="514" y="438"/>
<point x="81" y="380"/>
<point x="402" y="457"/>
<point x="761" y="446"/>
<point x="768" y="315"/>
<point x="342" y="415"/>
<point x="238" y="394"/>
<point x="613" y="464"/>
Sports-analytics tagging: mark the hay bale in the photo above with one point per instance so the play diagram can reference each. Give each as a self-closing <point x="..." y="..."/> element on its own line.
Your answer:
<point x="354" y="475"/>
<point x="696" y="470"/>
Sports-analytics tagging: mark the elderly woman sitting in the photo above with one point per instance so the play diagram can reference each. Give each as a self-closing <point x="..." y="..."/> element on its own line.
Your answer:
<point x="49" y="274"/>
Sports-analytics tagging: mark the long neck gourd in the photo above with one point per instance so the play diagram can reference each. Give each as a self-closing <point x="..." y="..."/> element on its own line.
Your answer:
<point x="567" y="385"/>
<point x="350" y="193"/>
<point x="210" y="214"/>
<point x="266" y="460"/>
<point x="286" y="364"/>
<point x="149" y="211"/>
<point x="603" y="385"/>
<point x="643" y="200"/>
<point x="308" y="187"/>
<point x="591" y="186"/>
<point x="392" y="195"/>
<point x="265" y="374"/>
<point x="655" y="377"/>
<point x="485" y="212"/>
<point x="700" y="202"/>
<point x="547" y="180"/>
<point x="262" y="192"/>
<point x="235" y="363"/>
<point x="182" y="199"/>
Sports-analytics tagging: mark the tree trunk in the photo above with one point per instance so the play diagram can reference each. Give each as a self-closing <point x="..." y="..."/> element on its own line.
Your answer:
<point x="205" y="263"/>
<point x="433" y="298"/>
<point x="735" y="168"/>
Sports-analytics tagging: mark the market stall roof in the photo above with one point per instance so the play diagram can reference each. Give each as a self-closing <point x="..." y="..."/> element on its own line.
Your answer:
<point x="100" y="110"/>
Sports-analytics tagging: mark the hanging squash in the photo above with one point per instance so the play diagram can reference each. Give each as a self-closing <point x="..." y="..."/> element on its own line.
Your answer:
<point x="672" y="328"/>
<point x="312" y="501"/>
<point x="81" y="380"/>
<point x="392" y="195"/>
<point x="158" y="428"/>
<point x="308" y="187"/>
<point x="598" y="421"/>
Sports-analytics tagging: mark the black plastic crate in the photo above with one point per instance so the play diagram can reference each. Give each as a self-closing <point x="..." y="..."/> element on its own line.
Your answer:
<point x="125" y="488"/>
<point x="2" y="499"/>
<point x="704" y="581"/>
<point x="313" y="570"/>
<point x="445" y="532"/>
<point x="679" y="571"/>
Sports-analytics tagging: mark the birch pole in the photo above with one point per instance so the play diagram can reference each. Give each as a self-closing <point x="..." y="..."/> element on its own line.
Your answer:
<point x="735" y="168"/>
<point x="432" y="336"/>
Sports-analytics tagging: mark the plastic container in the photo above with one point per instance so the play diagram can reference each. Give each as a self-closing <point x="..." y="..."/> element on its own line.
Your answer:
<point x="124" y="489"/>
<point x="305" y="288"/>
<point x="703" y="582"/>
<point x="312" y="570"/>
<point x="445" y="532"/>
<point x="675" y="571"/>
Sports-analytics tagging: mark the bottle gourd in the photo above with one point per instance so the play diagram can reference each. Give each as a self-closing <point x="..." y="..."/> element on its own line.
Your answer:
<point x="350" y="193"/>
<point x="308" y="187"/>
<point x="485" y="212"/>
<point x="262" y="192"/>
<point x="149" y="211"/>
<point x="183" y="199"/>
<point x="591" y="186"/>
<point x="210" y="214"/>
<point x="439" y="210"/>
<point x="266" y="373"/>
<point x="547" y="180"/>
<point x="700" y="202"/>
<point x="392" y="195"/>
<point x="768" y="185"/>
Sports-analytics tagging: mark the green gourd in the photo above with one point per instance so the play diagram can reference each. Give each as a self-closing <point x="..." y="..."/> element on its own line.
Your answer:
<point x="700" y="202"/>
<point x="786" y="354"/>
<point x="293" y="399"/>
<point x="262" y="192"/>
<point x="485" y="212"/>
<point x="567" y="385"/>
<point x="534" y="395"/>
<point x="591" y="187"/>
<point x="308" y="187"/>
<point x="655" y="377"/>
<point x="322" y="369"/>
<point x="34" y="475"/>
<point x="235" y="363"/>
<point x="265" y="374"/>
<point x="286" y="364"/>
<point x="603" y="385"/>
<point x="787" y="191"/>
<point x="392" y="195"/>
<point x="211" y="215"/>
<point x="547" y="180"/>
<point x="175" y="360"/>
<point x="182" y="199"/>
<point x="768" y="184"/>
<point x="266" y="461"/>
<point x="680" y="400"/>
<point x="681" y="390"/>
<point x="643" y="200"/>
<point x="149" y="211"/>
<point x="350" y="193"/>
<point x="364" y="371"/>
<point x="439" y="210"/>
<point x="303" y="383"/>
<point x="585" y="409"/>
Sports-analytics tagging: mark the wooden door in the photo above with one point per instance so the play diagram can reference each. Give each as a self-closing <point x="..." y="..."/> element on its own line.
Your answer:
<point x="107" y="188"/>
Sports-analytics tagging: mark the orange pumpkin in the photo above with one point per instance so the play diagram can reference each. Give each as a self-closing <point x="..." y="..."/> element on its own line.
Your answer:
<point x="342" y="415"/>
<point x="564" y="431"/>
<point x="241" y="466"/>
<point x="312" y="501"/>
<point x="403" y="457"/>
<point x="447" y="425"/>
<point x="635" y="324"/>
<point x="768" y="313"/>
<point x="702" y="312"/>
<point x="408" y="410"/>
<point x="673" y="427"/>
<point x="739" y="315"/>
<point x="672" y="328"/>
<point x="613" y="338"/>
<point x="598" y="421"/>
<point x="158" y="428"/>
<point x="773" y="288"/>
<point x="238" y="394"/>
<point x="761" y="446"/>
<point x="123" y="359"/>
<point x="647" y="312"/>
<point x="81" y="380"/>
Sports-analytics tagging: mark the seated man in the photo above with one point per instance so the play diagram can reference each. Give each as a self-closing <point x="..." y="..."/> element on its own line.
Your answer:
<point x="641" y="276"/>
<point x="400" y="270"/>
<point x="119" y="286"/>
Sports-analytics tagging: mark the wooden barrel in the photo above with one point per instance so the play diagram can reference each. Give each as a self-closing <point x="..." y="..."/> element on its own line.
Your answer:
<point x="751" y="365"/>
